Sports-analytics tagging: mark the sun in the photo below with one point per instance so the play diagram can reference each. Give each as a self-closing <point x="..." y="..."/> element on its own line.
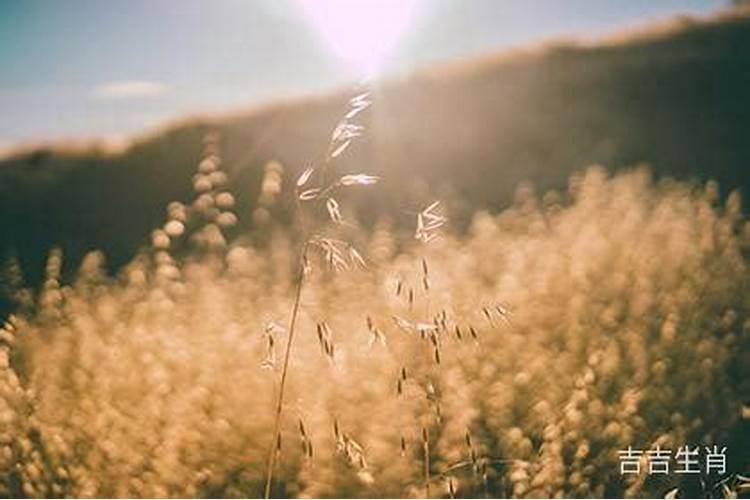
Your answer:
<point x="360" y="32"/>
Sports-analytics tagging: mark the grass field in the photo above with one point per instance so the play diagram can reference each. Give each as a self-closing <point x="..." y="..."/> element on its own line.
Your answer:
<point x="517" y="358"/>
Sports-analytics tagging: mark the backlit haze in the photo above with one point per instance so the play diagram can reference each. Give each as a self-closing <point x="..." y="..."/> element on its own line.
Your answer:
<point x="83" y="68"/>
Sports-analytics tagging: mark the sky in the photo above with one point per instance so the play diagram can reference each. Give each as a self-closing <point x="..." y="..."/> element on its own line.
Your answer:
<point x="87" y="68"/>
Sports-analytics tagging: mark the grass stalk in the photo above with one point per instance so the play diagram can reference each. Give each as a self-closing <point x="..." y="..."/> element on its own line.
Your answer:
<point x="272" y="454"/>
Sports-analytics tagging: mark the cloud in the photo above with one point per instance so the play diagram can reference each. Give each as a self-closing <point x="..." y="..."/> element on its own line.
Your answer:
<point x="129" y="89"/>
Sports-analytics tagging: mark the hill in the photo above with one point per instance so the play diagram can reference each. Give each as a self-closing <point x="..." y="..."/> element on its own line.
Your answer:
<point x="470" y="132"/>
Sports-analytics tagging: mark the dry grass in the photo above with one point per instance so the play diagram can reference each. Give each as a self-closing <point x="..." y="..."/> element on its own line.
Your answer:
<point x="564" y="332"/>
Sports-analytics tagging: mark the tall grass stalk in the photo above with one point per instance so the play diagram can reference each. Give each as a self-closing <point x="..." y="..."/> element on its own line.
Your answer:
<point x="342" y="136"/>
<point x="272" y="454"/>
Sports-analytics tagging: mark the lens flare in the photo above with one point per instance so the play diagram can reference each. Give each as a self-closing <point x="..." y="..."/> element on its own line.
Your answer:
<point x="363" y="32"/>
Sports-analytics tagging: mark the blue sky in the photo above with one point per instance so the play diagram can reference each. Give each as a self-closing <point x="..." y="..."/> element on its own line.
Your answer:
<point x="89" y="68"/>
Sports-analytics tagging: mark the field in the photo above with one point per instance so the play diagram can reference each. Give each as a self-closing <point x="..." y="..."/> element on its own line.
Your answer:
<point x="515" y="359"/>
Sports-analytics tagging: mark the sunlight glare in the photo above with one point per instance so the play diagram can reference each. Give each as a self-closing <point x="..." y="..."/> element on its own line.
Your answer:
<point x="360" y="32"/>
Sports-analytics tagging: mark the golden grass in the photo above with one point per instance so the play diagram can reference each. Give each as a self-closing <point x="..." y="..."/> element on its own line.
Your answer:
<point x="617" y="318"/>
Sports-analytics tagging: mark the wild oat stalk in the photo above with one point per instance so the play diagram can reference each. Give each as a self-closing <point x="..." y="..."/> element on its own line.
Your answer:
<point x="338" y="254"/>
